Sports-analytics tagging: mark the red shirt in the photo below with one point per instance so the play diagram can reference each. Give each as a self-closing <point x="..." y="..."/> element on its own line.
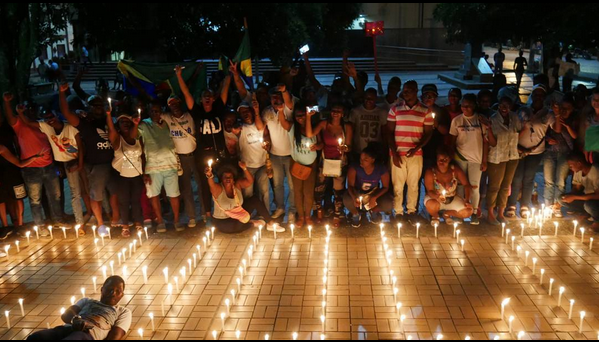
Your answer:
<point x="409" y="125"/>
<point x="31" y="142"/>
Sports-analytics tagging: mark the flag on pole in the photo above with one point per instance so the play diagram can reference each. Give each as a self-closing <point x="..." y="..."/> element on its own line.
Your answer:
<point x="243" y="58"/>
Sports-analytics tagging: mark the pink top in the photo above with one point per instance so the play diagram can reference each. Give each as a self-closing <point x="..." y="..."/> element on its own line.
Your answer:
<point x="331" y="144"/>
<point x="31" y="142"/>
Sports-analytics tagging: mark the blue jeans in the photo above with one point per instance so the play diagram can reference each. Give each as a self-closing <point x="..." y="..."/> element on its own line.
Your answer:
<point x="260" y="187"/>
<point x="524" y="179"/>
<point x="64" y="333"/>
<point x="589" y="207"/>
<point x="76" y="195"/>
<point x="555" y="172"/>
<point x="35" y="178"/>
<point x="282" y="167"/>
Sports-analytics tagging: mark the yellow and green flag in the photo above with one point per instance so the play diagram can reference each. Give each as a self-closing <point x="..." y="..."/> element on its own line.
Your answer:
<point x="243" y="58"/>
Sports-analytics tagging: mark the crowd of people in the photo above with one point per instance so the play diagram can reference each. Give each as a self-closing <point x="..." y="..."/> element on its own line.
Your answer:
<point x="346" y="152"/>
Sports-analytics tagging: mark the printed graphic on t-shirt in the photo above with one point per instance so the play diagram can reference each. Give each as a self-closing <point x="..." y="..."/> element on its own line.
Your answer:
<point x="64" y="145"/>
<point x="105" y="136"/>
<point x="209" y="126"/>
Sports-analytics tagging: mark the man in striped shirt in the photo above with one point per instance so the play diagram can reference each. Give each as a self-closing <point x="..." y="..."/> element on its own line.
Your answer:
<point x="409" y="126"/>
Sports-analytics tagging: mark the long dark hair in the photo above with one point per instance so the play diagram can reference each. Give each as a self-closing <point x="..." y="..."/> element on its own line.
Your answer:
<point x="299" y="133"/>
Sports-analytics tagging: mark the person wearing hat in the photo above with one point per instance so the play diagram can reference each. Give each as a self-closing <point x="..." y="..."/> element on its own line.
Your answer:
<point x="536" y="119"/>
<point x="275" y="117"/>
<point x="42" y="173"/>
<point x="128" y="164"/>
<point x="98" y="155"/>
<point x="181" y="127"/>
<point x="253" y="145"/>
<point x="161" y="164"/>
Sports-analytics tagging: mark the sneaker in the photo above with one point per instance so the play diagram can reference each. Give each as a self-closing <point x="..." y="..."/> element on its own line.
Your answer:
<point x="449" y="221"/>
<point x="356" y="221"/>
<point x="103" y="230"/>
<point x="376" y="219"/>
<point x="23" y="233"/>
<point x="43" y="231"/>
<point x="270" y="228"/>
<point x="258" y="223"/>
<point x="2" y="255"/>
<point x="179" y="227"/>
<point x="524" y="212"/>
<point x="292" y="217"/>
<point x="5" y="232"/>
<point x="191" y="223"/>
<point x="474" y="220"/>
<point x="148" y="222"/>
<point x="591" y="219"/>
<point x="60" y="224"/>
<point x="278" y="213"/>
<point x="558" y="213"/>
<point x="161" y="228"/>
<point x="510" y="212"/>
<point x="493" y="221"/>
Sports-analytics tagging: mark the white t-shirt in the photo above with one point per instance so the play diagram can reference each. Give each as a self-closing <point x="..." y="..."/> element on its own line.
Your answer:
<point x="367" y="125"/>
<point x="64" y="145"/>
<point x="535" y="131"/>
<point x="281" y="145"/>
<point x="250" y="147"/>
<point x="182" y="132"/>
<point x="589" y="182"/>
<point x="469" y="133"/>
<point x="104" y="317"/>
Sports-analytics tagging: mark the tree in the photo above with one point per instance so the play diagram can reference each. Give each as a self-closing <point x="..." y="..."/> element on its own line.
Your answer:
<point x="550" y="23"/>
<point x="24" y="29"/>
<point x="207" y="30"/>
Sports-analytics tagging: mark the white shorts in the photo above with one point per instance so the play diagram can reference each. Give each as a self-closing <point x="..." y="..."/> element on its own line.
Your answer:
<point x="456" y="205"/>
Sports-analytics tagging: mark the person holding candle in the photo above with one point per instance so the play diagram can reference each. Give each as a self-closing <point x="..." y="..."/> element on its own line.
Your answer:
<point x="128" y="163"/>
<point x="502" y="160"/>
<point x="337" y="137"/>
<point x="98" y="155"/>
<point x="161" y="167"/>
<point x="368" y="187"/>
<point x="441" y="123"/>
<point x="472" y="136"/>
<point x="90" y="319"/>
<point x="208" y="117"/>
<point x="233" y="212"/>
<point x="252" y="149"/>
<point x="305" y="166"/>
<point x="442" y="183"/>
<point x="585" y="192"/>
<point x="560" y="142"/>
<point x="409" y="128"/>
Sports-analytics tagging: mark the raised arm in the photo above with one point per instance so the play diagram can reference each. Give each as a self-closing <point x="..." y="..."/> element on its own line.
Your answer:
<point x="113" y="134"/>
<point x="286" y="96"/>
<point x="25" y="119"/>
<point x="240" y="85"/>
<point x="184" y="87"/>
<point x="214" y="187"/>
<point x="64" y="105"/>
<point x="248" y="180"/>
<point x="77" y="85"/>
<point x="311" y="132"/>
<point x="283" y="121"/>
<point x="310" y="73"/>
<point x="10" y="115"/>
<point x="258" y="120"/>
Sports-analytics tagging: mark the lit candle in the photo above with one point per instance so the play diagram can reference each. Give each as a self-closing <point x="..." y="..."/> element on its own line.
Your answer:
<point x="295" y="335"/>
<point x="510" y="321"/>
<point x="131" y="245"/>
<point x="145" y="233"/>
<point x="395" y="292"/>
<point x="571" y="304"/>
<point x="402" y="318"/>
<point x="110" y="106"/>
<point x="521" y="334"/>
<point x="21" y="306"/>
<point x="512" y="238"/>
<point x="591" y="243"/>
<point x="204" y="244"/>
<point x="166" y="275"/>
<point x="275" y="225"/>
<point x="152" y="319"/>
<point x="522" y="230"/>
<point x="540" y="228"/>
<point x="94" y="231"/>
<point x="119" y="258"/>
<point x="541" y="277"/>
<point x="214" y="333"/>
<point x="433" y="115"/>
<point x="140" y="331"/>
<point x="534" y="262"/>
<point x="227" y="302"/>
<point x="582" y="314"/>
<point x="439" y="337"/>
<point x="436" y="225"/>
<point x="507" y="234"/>
<point x="260" y="229"/>
<point x="7" y="315"/>
<point x="292" y="231"/>
<point x="72" y="300"/>
<point x="96" y="244"/>
<point x="462" y="243"/>
<point x="176" y="281"/>
<point x="467" y="338"/>
<point x="340" y="141"/>
<point x="324" y="294"/>
<point x="223" y="317"/>
<point x="503" y="229"/>
<point x="417" y="230"/>
<point x="575" y="227"/>
<point x="309" y="230"/>
<point x="183" y="273"/>
<point x="210" y="163"/>
<point x="77" y="231"/>
<point x="551" y="285"/>
<point x="35" y="229"/>
<point x="140" y="237"/>
<point x="458" y="236"/>
<point x="323" y="320"/>
<point x="83" y="291"/>
<point x="109" y="233"/>
<point x="212" y="233"/>
<point x="94" y="284"/>
<point x="399" y="305"/>
<point x="6" y="248"/>
<point x="17" y="245"/>
<point x="50" y="230"/>
<point x="102" y="239"/>
<point x="555" y="228"/>
<point x="527" y="258"/>
<point x="237" y="334"/>
<point x="560" y="292"/>
<point x="124" y="271"/>
<point x="27" y="235"/>
<point x="238" y="283"/>
<point x="361" y="202"/>
<point x="518" y="249"/>
<point x="169" y="292"/>
<point x="266" y="337"/>
<point x="582" y="233"/>
<point x="504" y="303"/>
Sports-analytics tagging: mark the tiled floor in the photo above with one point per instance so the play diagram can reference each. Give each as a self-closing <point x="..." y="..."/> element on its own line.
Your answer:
<point x="443" y="290"/>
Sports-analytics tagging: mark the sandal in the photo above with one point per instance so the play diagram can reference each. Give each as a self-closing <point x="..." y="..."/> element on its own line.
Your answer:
<point x="116" y="225"/>
<point x="448" y="220"/>
<point x="434" y="221"/>
<point x="125" y="232"/>
<point x="510" y="212"/>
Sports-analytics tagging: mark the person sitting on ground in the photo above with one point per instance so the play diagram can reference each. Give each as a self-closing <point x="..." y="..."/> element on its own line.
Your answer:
<point x="584" y="197"/>
<point x="441" y="183"/>
<point x="90" y="319"/>
<point x="370" y="181"/>
<point x="232" y="212"/>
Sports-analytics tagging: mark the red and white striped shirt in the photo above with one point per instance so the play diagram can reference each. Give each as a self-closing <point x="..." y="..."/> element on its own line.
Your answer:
<point x="409" y="125"/>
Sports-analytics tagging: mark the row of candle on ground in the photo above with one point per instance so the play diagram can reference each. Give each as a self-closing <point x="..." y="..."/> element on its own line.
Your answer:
<point x="295" y="336"/>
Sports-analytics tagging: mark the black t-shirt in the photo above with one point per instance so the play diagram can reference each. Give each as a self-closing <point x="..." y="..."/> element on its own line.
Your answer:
<point x="437" y="139"/>
<point x="209" y="126"/>
<point x="95" y="137"/>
